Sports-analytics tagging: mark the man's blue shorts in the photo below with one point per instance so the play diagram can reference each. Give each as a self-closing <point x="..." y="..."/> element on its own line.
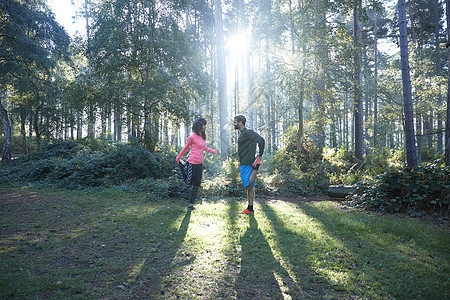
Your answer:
<point x="245" y="175"/>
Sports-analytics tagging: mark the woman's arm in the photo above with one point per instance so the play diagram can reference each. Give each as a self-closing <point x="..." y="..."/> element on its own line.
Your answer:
<point x="185" y="149"/>
<point x="210" y="150"/>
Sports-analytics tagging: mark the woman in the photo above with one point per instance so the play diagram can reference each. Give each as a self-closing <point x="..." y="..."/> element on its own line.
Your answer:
<point x="197" y="142"/>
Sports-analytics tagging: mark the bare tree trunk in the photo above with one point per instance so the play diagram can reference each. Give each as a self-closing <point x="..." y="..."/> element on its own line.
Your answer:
<point x="300" y="120"/>
<point x="319" y="132"/>
<point x="23" y="133"/>
<point x="268" y="120"/>
<point x="37" y="128"/>
<point x="438" y="72"/>
<point x="447" y="124"/>
<point x="222" y="78"/>
<point x="6" y="153"/>
<point x="375" y="99"/>
<point x="79" y="125"/>
<point x="117" y="124"/>
<point x="357" y="105"/>
<point x="411" y="156"/>
<point x="91" y="121"/>
<point x="419" y="132"/>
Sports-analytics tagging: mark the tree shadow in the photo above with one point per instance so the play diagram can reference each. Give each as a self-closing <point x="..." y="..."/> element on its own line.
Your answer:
<point x="159" y="263"/>
<point x="295" y="251"/>
<point x="260" y="273"/>
<point x="371" y="263"/>
<point x="100" y="248"/>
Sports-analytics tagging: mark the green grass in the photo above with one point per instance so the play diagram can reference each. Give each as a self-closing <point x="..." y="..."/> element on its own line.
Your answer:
<point x="115" y="245"/>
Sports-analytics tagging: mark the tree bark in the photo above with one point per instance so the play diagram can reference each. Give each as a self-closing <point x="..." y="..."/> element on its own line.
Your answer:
<point x="375" y="99"/>
<point x="411" y="157"/>
<point x="438" y="72"/>
<point x="447" y="124"/>
<point x="23" y="131"/>
<point x="357" y="105"/>
<point x="319" y="132"/>
<point x="222" y="78"/>
<point x="6" y="153"/>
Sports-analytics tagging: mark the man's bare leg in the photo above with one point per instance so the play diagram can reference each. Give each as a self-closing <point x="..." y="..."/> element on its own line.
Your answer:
<point x="250" y="195"/>
<point x="251" y="189"/>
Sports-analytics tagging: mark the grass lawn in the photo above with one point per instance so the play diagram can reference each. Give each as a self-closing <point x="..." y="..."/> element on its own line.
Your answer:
<point x="115" y="245"/>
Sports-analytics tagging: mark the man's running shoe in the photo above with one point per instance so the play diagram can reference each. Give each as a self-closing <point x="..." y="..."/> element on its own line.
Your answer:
<point x="247" y="212"/>
<point x="191" y="208"/>
<point x="257" y="163"/>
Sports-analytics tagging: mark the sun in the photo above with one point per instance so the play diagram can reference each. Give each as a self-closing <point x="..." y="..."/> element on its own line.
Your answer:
<point x="236" y="44"/>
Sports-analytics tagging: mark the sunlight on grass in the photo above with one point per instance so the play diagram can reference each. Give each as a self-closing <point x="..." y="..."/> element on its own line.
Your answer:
<point x="200" y="263"/>
<point x="283" y="287"/>
<point x="296" y="229"/>
<point x="94" y="247"/>
<point x="137" y="269"/>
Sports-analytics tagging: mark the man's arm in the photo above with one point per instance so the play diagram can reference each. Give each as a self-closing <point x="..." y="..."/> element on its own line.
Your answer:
<point x="261" y="143"/>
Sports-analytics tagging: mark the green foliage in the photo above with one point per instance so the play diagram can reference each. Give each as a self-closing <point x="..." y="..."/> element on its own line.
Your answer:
<point x="412" y="190"/>
<point x="342" y="167"/>
<point x="289" y="176"/>
<point x="73" y="165"/>
<point x="157" y="189"/>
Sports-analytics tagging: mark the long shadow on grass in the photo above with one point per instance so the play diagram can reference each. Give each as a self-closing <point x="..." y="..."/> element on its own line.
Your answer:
<point x="90" y="248"/>
<point x="256" y="279"/>
<point x="297" y="252"/>
<point x="383" y="259"/>
<point x="159" y="263"/>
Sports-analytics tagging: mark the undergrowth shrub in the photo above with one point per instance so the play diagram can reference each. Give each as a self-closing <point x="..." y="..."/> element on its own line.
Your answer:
<point x="157" y="189"/>
<point x="73" y="165"/>
<point x="412" y="190"/>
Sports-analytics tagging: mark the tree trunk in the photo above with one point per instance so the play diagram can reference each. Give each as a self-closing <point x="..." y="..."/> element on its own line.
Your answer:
<point x="268" y="120"/>
<point x="411" y="157"/>
<point x="438" y="72"/>
<point x="357" y="105"/>
<point x="222" y="78"/>
<point x="79" y="125"/>
<point x="6" y="153"/>
<point x="419" y="136"/>
<point x="91" y="121"/>
<point x="117" y="124"/>
<point x="319" y="132"/>
<point x="345" y="125"/>
<point x="375" y="99"/>
<point x="340" y="191"/>
<point x="23" y="133"/>
<point x="273" y="124"/>
<point x="300" y="120"/>
<point x="447" y="124"/>
<point x="37" y="128"/>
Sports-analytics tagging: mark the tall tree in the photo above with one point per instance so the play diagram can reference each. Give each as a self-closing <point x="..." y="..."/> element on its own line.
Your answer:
<point x="6" y="152"/>
<point x="438" y="69"/>
<point x="375" y="97"/>
<point x="31" y="42"/>
<point x="411" y="156"/>
<point x="222" y="78"/>
<point x="447" y="124"/>
<point x="358" y="101"/>
<point x="321" y="53"/>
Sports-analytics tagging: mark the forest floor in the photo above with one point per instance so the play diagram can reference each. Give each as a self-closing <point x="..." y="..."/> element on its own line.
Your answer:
<point x="113" y="245"/>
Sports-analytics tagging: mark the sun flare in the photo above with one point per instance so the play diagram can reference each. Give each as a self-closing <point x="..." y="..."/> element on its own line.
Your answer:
<point x="237" y="43"/>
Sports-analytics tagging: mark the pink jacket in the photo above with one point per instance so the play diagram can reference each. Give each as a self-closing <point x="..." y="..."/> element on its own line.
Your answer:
<point x="198" y="145"/>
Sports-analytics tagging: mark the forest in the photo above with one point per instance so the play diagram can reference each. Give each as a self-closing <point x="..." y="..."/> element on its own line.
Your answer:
<point x="350" y="96"/>
<point x="344" y="92"/>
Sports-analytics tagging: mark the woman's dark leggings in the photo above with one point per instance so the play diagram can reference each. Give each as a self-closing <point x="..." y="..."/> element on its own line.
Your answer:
<point x="193" y="177"/>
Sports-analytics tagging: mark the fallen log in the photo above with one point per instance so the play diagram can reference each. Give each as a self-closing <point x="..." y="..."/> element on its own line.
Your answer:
<point x="340" y="191"/>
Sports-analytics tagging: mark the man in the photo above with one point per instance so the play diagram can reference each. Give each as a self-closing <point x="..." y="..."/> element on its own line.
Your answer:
<point x="249" y="166"/>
